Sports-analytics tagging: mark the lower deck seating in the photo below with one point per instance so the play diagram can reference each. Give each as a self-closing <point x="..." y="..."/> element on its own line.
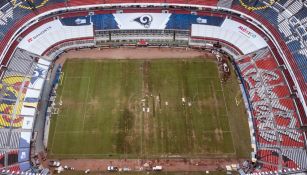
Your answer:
<point x="274" y="112"/>
<point x="20" y="85"/>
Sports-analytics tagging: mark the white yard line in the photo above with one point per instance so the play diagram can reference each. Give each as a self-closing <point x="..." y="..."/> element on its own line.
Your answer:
<point x="54" y="132"/>
<point x="231" y="133"/>
<point x="85" y="103"/>
<point x="77" y="77"/>
<point x="76" y="132"/>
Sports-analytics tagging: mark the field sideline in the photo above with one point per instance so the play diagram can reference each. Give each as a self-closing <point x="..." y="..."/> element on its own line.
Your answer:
<point x="148" y="173"/>
<point x="147" y="109"/>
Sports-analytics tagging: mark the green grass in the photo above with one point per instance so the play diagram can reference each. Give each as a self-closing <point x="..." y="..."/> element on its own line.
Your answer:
<point x="102" y="113"/>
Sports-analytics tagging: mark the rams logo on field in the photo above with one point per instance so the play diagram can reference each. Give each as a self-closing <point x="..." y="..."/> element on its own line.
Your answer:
<point x="144" y="20"/>
<point x="253" y="4"/>
<point x="30" y="4"/>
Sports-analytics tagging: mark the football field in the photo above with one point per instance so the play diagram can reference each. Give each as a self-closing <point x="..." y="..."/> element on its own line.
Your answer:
<point x="147" y="108"/>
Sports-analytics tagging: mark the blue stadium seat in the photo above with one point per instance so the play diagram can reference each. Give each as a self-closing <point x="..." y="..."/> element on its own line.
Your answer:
<point x="76" y="21"/>
<point x="294" y="45"/>
<point x="104" y="21"/>
<point x="304" y="72"/>
<point x="270" y="15"/>
<point x="301" y="14"/>
<point x="184" y="21"/>
<point x="301" y="60"/>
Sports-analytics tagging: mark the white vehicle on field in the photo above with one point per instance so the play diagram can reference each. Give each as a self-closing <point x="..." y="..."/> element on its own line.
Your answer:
<point x="112" y="168"/>
<point x="54" y="163"/>
<point x="157" y="168"/>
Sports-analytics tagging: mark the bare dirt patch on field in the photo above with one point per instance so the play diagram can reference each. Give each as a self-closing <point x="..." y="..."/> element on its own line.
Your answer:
<point x="137" y="164"/>
<point x="133" y="53"/>
<point x="94" y="103"/>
